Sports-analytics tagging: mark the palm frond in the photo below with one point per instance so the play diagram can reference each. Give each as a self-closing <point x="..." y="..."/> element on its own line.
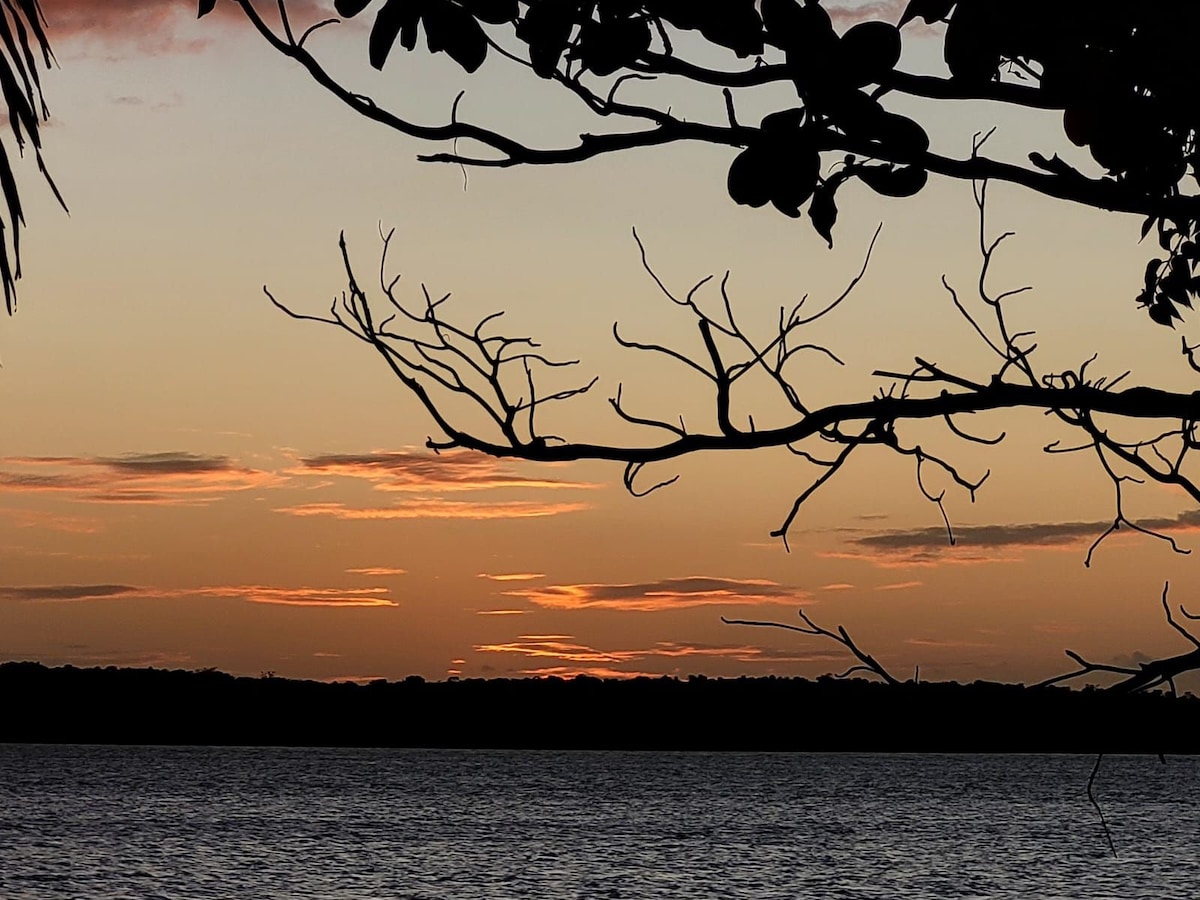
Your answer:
<point x="22" y="41"/>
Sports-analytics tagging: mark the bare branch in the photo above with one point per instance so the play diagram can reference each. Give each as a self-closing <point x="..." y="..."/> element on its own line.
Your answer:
<point x="867" y="663"/>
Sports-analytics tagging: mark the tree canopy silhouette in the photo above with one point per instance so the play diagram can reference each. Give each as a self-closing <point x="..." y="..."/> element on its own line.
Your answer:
<point x="1120" y="75"/>
<point x="22" y="42"/>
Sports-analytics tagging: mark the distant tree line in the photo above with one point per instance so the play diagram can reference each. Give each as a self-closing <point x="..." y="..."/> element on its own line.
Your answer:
<point x="157" y="706"/>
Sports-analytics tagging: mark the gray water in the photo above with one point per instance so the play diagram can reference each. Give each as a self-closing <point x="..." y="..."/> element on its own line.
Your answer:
<point x="101" y="823"/>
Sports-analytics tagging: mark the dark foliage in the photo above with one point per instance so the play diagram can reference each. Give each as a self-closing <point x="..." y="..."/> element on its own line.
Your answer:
<point x="22" y="41"/>
<point x="177" y="707"/>
<point x="1122" y="74"/>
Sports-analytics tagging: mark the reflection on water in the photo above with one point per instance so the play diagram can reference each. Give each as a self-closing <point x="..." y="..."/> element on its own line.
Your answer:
<point x="104" y="823"/>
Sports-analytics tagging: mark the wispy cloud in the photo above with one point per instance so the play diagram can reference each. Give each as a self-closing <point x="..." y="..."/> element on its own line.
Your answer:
<point x="302" y="596"/>
<point x="669" y="593"/>
<point x="986" y="544"/>
<point x="501" y="612"/>
<point x="281" y="596"/>
<point x="935" y="643"/>
<point x="850" y="12"/>
<point x="377" y="571"/>
<point x="512" y="576"/>
<point x="922" y="559"/>
<point x="436" y="508"/>
<point x="50" y="593"/>
<point x="899" y="586"/>
<point x="846" y="13"/>
<point x="44" y="518"/>
<point x="837" y="586"/>
<point x="118" y="29"/>
<point x="428" y="473"/>
<point x="173" y="478"/>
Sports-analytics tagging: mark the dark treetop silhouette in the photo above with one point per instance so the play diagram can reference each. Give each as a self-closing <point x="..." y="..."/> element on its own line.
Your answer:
<point x="1120" y="73"/>
<point x="22" y="40"/>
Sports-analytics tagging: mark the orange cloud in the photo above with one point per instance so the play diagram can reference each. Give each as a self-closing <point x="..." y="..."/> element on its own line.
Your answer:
<point x="303" y="596"/>
<point x="408" y="471"/>
<point x="377" y="571"/>
<point x="436" y="508"/>
<point x="669" y="593"/>
<point x="513" y="576"/>
<point x="587" y="671"/>
<point x="899" y="586"/>
<point x="839" y="586"/>
<point x="563" y="648"/>
<point x="501" y="612"/>
<point x="165" y="479"/>
<point x="540" y="648"/>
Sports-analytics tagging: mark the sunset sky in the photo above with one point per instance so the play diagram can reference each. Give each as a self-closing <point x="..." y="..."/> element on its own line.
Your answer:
<point x="188" y="478"/>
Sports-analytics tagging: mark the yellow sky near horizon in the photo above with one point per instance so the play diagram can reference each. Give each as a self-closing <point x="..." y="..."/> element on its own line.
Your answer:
<point x="189" y="478"/>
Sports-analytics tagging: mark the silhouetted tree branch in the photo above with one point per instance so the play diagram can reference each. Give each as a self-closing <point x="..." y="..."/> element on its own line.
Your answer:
<point x="1121" y="75"/>
<point x="1146" y="675"/>
<point x="866" y="662"/>
<point x="497" y="384"/>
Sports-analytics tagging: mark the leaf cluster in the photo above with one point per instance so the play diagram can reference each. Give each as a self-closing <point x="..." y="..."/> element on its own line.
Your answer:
<point x="1121" y="74"/>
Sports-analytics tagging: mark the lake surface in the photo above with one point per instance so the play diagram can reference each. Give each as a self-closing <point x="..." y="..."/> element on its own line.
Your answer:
<point x="102" y="823"/>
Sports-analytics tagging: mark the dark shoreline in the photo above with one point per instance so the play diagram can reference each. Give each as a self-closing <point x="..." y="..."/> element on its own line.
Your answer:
<point x="175" y="707"/>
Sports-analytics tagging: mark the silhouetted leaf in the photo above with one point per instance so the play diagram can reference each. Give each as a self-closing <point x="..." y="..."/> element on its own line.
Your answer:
<point x="869" y="52"/>
<point x="823" y="210"/>
<point x="735" y="24"/>
<point x="749" y="183"/>
<point x="546" y="28"/>
<point x="348" y="9"/>
<point x="605" y="47"/>
<point x="1079" y="123"/>
<point x="857" y="114"/>
<point x="797" y="165"/>
<point x="1162" y="312"/>
<point x="783" y="122"/>
<point x="453" y="29"/>
<point x="206" y="6"/>
<point x="970" y="47"/>
<point x="394" y="16"/>
<point x="901" y="134"/>
<point x="1151" y="276"/>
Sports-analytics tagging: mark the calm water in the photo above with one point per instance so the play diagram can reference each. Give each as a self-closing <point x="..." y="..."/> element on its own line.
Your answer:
<point x="96" y="823"/>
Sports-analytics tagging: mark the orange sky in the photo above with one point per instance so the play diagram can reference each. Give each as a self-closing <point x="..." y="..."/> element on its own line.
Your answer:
<point x="188" y="478"/>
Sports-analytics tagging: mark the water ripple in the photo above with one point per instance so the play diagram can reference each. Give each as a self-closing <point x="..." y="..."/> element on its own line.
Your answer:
<point x="106" y="823"/>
